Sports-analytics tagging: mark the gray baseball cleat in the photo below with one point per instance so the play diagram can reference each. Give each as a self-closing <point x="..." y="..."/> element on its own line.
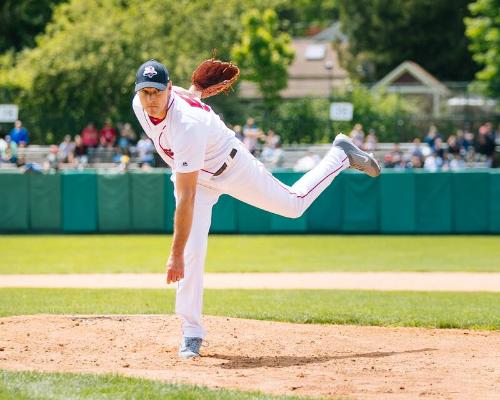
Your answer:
<point x="190" y="347"/>
<point x="357" y="158"/>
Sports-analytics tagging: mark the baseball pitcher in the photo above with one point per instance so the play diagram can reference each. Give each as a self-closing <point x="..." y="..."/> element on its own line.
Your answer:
<point x="208" y="161"/>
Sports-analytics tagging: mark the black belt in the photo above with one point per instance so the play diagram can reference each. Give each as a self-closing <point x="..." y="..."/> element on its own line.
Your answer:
<point x="224" y="166"/>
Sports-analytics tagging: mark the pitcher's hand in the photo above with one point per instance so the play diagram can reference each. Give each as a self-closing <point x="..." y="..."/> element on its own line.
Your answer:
<point x="175" y="268"/>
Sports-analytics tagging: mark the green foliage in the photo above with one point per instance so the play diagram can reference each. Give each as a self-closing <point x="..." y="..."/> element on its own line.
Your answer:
<point x="22" y="20"/>
<point x="299" y="17"/>
<point x="83" y="67"/>
<point x="264" y="53"/>
<point x="302" y="121"/>
<point x="384" y="112"/>
<point x="483" y="31"/>
<point x="306" y="120"/>
<point x="429" y="32"/>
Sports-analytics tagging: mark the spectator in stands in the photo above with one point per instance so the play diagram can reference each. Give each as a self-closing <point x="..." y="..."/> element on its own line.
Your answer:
<point x="19" y="134"/>
<point x="251" y="135"/>
<point x="416" y="151"/>
<point x="371" y="141"/>
<point x="455" y="162"/>
<point x="127" y="136"/>
<point x="66" y="150"/>
<point x="438" y="148"/>
<point x="357" y="135"/>
<point x="272" y="153"/>
<point x="306" y="163"/>
<point x="123" y="141"/>
<point x="468" y="140"/>
<point x="52" y="161"/>
<point x="238" y="132"/>
<point x="271" y="139"/>
<point x="431" y="136"/>
<point x="394" y="159"/>
<point x="108" y="133"/>
<point x="277" y="157"/>
<point x="145" y="152"/>
<point x="80" y="153"/>
<point x="462" y="143"/>
<point x="121" y="156"/>
<point x="433" y="163"/>
<point x="453" y="146"/>
<point x="9" y="153"/>
<point x="3" y="147"/>
<point x="90" y="136"/>
<point x="415" y="162"/>
<point x="484" y="144"/>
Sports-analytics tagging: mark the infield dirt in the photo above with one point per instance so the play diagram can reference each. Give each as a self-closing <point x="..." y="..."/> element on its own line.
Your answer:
<point x="281" y="358"/>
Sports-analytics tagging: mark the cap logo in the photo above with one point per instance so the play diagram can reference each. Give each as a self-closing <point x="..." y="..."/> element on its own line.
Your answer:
<point x="149" y="71"/>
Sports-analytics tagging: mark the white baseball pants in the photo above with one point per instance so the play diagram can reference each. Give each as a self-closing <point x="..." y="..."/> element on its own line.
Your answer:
<point x="245" y="179"/>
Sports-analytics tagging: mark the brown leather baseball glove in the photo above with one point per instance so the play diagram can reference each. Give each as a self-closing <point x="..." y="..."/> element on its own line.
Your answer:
<point x="214" y="76"/>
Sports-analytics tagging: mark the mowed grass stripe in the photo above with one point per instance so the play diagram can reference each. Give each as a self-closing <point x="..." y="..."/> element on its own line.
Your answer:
<point x="58" y="386"/>
<point x="28" y="254"/>
<point x="424" y="309"/>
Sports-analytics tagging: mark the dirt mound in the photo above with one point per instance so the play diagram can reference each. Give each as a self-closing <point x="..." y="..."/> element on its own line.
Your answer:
<point x="324" y="360"/>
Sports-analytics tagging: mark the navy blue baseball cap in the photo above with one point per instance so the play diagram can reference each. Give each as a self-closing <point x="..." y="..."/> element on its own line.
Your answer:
<point x="151" y="74"/>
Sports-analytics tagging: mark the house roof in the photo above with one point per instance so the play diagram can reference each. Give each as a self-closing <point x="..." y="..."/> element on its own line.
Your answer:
<point x="410" y="74"/>
<point x="331" y="34"/>
<point x="302" y="67"/>
<point x="307" y="77"/>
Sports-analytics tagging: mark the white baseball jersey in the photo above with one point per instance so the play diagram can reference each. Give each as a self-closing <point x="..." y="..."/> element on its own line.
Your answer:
<point x="192" y="137"/>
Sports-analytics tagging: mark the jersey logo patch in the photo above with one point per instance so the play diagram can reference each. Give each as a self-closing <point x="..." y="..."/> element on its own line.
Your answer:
<point x="168" y="152"/>
<point x="149" y="71"/>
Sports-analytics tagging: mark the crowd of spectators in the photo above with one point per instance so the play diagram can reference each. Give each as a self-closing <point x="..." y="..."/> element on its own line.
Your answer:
<point x="460" y="150"/>
<point x="13" y="144"/>
<point x="265" y="146"/>
<point x="121" y="144"/>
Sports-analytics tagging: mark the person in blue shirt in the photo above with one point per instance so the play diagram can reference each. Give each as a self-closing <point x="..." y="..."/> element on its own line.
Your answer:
<point x="19" y="134"/>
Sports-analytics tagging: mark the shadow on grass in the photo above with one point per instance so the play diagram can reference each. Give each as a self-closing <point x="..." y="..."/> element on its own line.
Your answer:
<point x="238" y="362"/>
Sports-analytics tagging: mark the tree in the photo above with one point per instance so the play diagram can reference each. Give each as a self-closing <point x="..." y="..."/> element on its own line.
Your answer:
<point x="429" y="32"/>
<point x="264" y="53"/>
<point x="83" y="67"/>
<point x="298" y="17"/>
<point x="22" y="20"/>
<point x="483" y="31"/>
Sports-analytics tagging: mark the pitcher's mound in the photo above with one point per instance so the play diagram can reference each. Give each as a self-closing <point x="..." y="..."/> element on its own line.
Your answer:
<point x="323" y="360"/>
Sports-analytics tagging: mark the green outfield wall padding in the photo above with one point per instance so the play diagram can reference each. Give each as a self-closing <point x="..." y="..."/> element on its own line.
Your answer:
<point x="433" y="202"/>
<point x="79" y="201"/>
<point x="325" y="214"/>
<point x="45" y="202"/>
<point x="470" y="197"/>
<point x="169" y="203"/>
<point x="113" y="202"/>
<point x="281" y="224"/>
<point x="251" y="219"/>
<point x="148" y="201"/>
<point x="14" y="204"/>
<point x="224" y="215"/>
<point x="397" y="202"/>
<point x="494" y="202"/>
<point x="360" y="203"/>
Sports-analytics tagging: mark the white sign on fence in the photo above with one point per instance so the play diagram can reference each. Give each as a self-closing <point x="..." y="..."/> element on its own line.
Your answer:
<point x="341" y="111"/>
<point x="8" y="112"/>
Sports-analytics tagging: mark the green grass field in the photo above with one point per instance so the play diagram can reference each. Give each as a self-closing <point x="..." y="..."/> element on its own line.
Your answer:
<point x="148" y="253"/>
<point x="426" y="309"/>
<point x="35" y="385"/>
